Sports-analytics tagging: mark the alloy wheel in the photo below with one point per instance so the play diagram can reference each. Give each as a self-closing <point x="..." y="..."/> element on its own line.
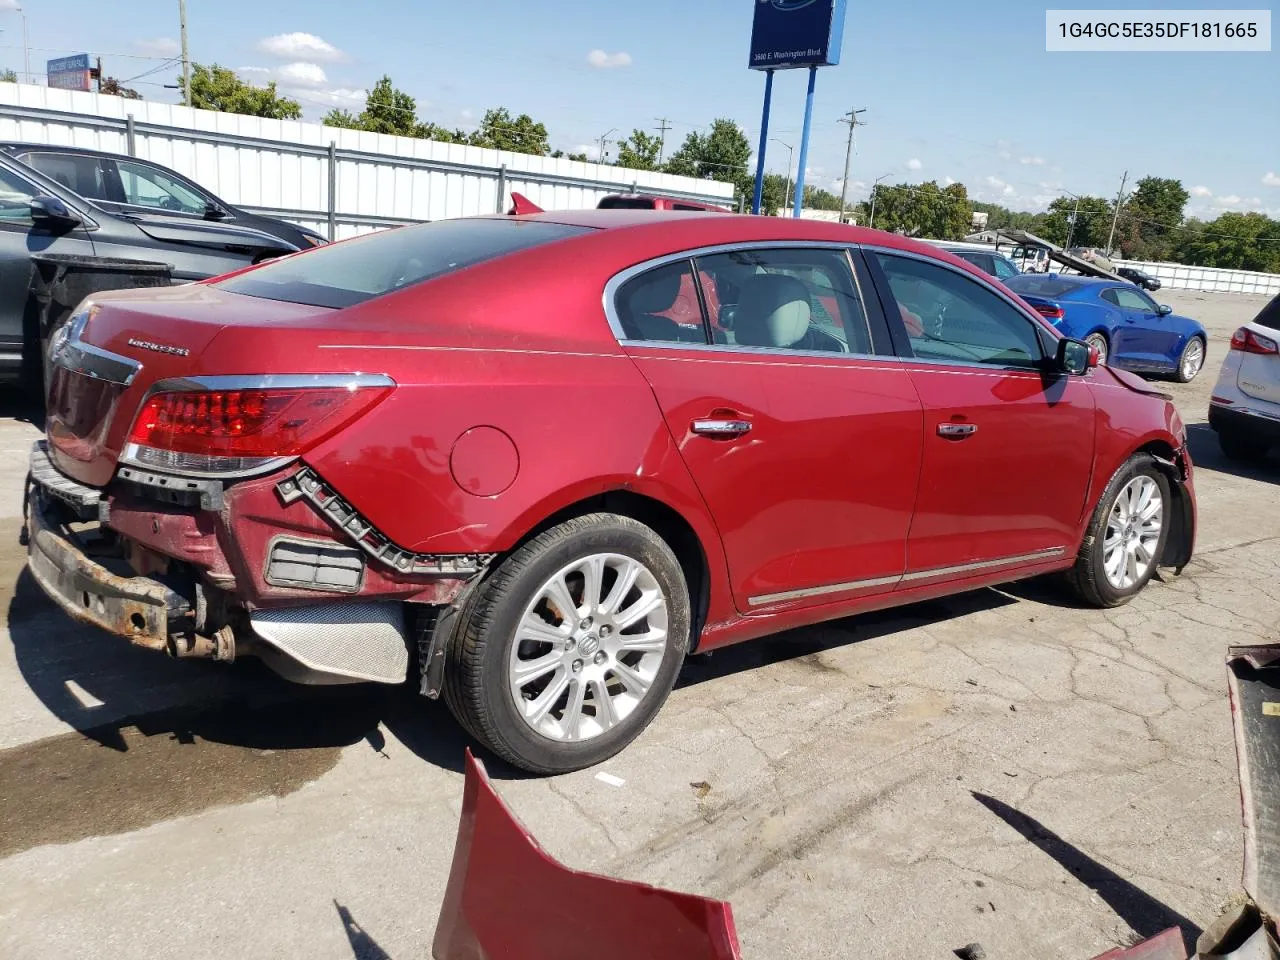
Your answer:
<point x="1133" y="532"/>
<point x="588" y="647"/>
<point x="1192" y="360"/>
<point x="1099" y="344"/>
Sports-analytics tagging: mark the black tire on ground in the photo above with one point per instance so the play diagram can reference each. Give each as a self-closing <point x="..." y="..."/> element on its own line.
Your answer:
<point x="1180" y="375"/>
<point x="1236" y="446"/>
<point x="1088" y="578"/>
<point x="476" y="672"/>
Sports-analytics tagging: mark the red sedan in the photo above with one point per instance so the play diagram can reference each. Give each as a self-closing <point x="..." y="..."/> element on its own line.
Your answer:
<point x="535" y="461"/>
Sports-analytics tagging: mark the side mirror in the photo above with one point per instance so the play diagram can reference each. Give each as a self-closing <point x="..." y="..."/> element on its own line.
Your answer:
<point x="52" y="212"/>
<point x="213" y="212"/>
<point x="1076" y="357"/>
<point x="1164" y="310"/>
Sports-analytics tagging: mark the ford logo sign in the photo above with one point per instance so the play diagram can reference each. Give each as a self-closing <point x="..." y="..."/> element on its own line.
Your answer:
<point x="786" y="5"/>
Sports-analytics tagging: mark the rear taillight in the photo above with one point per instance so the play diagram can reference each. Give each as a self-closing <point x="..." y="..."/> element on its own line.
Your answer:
<point x="1050" y="311"/>
<point x="285" y="418"/>
<point x="1246" y="340"/>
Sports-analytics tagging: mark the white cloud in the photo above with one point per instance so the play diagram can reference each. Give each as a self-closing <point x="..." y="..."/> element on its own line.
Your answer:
<point x="948" y="180"/>
<point x="1200" y="191"/>
<point x="914" y="164"/>
<point x="592" y="150"/>
<point x="1230" y="201"/>
<point x="1032" y="161"/>
<point x="10" y="5"/>
<point x="997" y="184"/>
<point x="605" y="61"/>
<point x="1271" y="179"/>
<point x="159" y="47"/>
<point x="301" y="74"/>
<point x="299" y="46"/>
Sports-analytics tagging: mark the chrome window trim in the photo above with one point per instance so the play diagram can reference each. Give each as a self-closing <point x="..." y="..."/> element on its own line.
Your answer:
<point x="1037" y="323"/>
<point x="68" y="351"/>
<point x="130" y="454"/>
<point x="614" y="284"/>
<point x="1048" y="553"/>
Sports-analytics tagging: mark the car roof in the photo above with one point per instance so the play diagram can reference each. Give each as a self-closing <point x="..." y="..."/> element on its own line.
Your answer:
<point x="19" y="146"/>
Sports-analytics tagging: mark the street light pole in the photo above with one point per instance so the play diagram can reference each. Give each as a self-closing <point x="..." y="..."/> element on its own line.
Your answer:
<point x="875" y="187"/>
<point x="790" y="156"/>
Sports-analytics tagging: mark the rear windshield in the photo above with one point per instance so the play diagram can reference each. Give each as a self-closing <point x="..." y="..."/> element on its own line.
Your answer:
<point x="626" y="203"/>
<point x="1039" y="285"/>
<point x="359" y="270"/>
<point x="1270" y="315"/>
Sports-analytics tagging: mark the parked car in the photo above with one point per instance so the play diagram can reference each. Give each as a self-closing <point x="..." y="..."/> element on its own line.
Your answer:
<point x="1094" y="255"/>
<point x="41" y="216"/>
<point x="129" y="186"/>
<point x="649" y="201"/>
<point x="1245" y="407"/>
<point x="984" y="257"/>
<point x="1030" y="259"/>
<point x="1125" y="326"/>
<point x="483" y="440"/>
<point x="1144" y="280"/>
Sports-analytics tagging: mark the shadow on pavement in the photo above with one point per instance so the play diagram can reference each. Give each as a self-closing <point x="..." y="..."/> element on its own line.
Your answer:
<point x="363" y="946"/>
<point x="1146" y="915"/>
<point x="809" y="641"/>
<point x="1206" y="454"/>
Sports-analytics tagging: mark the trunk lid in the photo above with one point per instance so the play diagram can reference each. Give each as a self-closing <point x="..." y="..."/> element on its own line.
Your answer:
<point x="1259" y="373"/>
<point x="133" y="340"/>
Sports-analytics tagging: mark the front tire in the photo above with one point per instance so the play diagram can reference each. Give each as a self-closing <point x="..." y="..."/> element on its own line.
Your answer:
<point x="1192" y="360"/>
<point x="1126" y="535"/>
<point x="567" y="650"/>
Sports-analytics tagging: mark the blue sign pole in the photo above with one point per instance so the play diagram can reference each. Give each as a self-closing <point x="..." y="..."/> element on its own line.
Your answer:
<point x="804" y="141"/>
<point x="764" y="141"/>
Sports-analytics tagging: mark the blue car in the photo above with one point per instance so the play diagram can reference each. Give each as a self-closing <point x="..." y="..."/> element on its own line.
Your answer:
<point x="1129" y="329"/>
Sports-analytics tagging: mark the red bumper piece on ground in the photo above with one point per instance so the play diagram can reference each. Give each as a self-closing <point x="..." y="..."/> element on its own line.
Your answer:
<point x="1164" y="946"/>
<point x="508" y="898"/>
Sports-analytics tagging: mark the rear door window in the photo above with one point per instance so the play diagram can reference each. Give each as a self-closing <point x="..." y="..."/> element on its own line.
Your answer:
<point x="357" y="270"/>
<point x="148" y="186"/>
<point x="79" y="174"/>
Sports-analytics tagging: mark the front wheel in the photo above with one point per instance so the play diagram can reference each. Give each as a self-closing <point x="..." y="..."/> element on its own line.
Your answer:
<point x="570" y="646"/>
<point x="1192" y="360"/>
<point x="1126" y="535"/>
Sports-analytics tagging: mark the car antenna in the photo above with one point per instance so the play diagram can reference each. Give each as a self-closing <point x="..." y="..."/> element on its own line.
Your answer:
<point x="520" y="205"/>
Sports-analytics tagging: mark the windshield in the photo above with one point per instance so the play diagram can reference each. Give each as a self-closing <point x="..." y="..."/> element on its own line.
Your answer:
<point x="381" y="263"/>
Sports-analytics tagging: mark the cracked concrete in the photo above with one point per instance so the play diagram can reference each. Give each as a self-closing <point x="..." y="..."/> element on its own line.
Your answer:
<point x="1000" y="767"/>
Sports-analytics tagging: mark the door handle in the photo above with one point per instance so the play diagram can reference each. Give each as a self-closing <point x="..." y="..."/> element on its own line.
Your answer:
<point x="724" y="429"/>
<point x="957" y="431"/>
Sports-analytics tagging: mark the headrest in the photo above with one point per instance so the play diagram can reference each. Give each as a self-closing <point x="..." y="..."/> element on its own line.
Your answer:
<point x="655" y="292"/>
<point x="773" y="311"/>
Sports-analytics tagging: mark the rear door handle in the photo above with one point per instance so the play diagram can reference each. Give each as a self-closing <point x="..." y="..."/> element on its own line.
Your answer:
<point x="957" y="431"/>
<point x="724" y="429"/>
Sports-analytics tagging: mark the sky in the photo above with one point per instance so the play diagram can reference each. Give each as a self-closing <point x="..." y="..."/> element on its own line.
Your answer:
<point x="952" y="90"/>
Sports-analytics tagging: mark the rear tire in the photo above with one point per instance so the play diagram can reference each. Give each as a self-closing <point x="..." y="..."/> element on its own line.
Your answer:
<point x="1238" y="447"/>
<point x="551" y="690"/>
<point x="1122" y="547"/>
<point x="1099" y="342"/>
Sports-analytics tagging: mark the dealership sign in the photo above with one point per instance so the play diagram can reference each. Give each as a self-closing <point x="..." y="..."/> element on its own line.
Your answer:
<point x="69" y="73"/>
<point x="796" y="33"/>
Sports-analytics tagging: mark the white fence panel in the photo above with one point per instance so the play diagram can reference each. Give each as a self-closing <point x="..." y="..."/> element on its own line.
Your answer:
<point x="1179" y="276"/>
<point x="284" y="167"/>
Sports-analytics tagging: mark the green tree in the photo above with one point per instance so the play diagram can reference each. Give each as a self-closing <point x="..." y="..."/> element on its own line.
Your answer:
<point x="111" y="85"/>
<point x="218" y="88"/>
<point x="815" y="198"/>
<point x="1150" y="218"/>
<point x="774" y="197"/>
<point x="921" y="210"/>
<point x="1091" y="226"/>
<point x="1235" y="241"/>
<point x="386" y="110"/>
<point x="998" y="216"/>
<point x="500" y="131"/>
<point x="639" y="151"/>
<point x="561" y="155"/>
<point x="8" y="76"/>
<point x="722" y="153"/>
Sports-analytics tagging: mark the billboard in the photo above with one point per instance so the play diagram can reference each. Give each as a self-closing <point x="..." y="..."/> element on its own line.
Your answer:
<point x="69" y="73"/>
<point x="796" y="33"/>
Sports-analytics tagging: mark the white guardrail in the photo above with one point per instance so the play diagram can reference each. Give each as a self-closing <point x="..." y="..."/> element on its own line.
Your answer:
<point x="339" y="182"/>
<point x="1179" y="276"/>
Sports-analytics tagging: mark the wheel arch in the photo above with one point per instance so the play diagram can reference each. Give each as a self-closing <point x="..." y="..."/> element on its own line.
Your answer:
<point x="1181" y="540"/>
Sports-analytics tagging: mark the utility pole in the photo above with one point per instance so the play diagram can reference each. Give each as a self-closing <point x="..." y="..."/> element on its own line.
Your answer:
<point x="663" y="126"/>
<point x="1071" y="227"/>
<point x="186" y="59"/>
<point x="604" y="141"/>
<point x="851" y="118"/>
<point x="1116" y="215"/>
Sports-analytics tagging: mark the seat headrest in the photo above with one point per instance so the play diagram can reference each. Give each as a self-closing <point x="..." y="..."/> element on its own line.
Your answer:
<point x="656" y="292"/>
<point x="773" y="311"/>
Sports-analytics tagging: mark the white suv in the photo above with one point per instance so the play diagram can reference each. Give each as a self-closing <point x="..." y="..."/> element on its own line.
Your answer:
<point x="1245" y="407"/>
